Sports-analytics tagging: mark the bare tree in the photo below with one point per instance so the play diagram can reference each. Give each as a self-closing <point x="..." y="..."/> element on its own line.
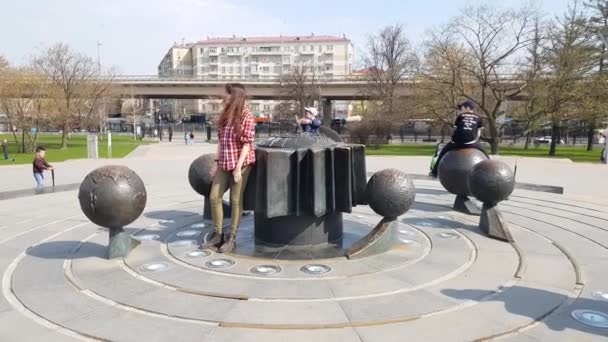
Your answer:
<point x="532" y="109"/>
<point x="569" y="60"/>
<point x="3" y="64"/>
<point x="23" y="100"/>
<point x="390" y="59"/>
<point x="75" y="90"/>
<point x="440" y="82"/>
<point x="491" y="40"/>
<point x="131" y="109"/>
<point x="300" y="89"/>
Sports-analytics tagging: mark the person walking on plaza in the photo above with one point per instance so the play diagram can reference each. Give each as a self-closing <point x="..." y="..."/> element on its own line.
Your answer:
<point x="467" y="130"/>
<point x="191" y="138"/>
<point x="235" y="160"/>
<point x="186" y="137"/>
<point x="5" y="149"/>
<point x="604" y="156"/>
<point x="40" y="165"/>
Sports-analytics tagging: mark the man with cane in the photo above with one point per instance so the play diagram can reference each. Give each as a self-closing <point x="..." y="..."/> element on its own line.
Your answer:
<point x="40" y="165"/>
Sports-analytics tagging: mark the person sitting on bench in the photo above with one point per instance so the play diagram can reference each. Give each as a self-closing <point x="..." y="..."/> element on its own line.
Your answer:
<point x="309" y="123"/>
<point x="467" y="130"/>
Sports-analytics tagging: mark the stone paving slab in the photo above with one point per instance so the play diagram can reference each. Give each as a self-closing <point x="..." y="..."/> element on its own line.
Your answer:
<point x="463" y="289"/>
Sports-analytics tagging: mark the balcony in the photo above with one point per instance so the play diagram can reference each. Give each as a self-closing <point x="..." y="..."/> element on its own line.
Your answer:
<point x="307" y="52"/>
<point x="214" y="53"/>
<point x="265" y="53"/>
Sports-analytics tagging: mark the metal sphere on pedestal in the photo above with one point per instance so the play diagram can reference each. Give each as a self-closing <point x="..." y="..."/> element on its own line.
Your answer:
<point x="199" y="174"/>
<point x="112" y="196"/>
<point x="491" y="181"/>
<point x="390" y="193"/>
<point x="454" y="169"/>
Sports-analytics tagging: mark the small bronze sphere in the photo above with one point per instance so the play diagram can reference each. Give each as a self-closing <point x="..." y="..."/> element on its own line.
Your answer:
<point x="454" y="169"/>
<point x="112" y="196"/>
<point x="199" y="174"/>
<point x="390" y="193"/>
<point x="491" y="181"/>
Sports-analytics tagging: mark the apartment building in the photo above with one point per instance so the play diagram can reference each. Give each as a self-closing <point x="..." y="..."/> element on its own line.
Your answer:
<point x="255" y="58"/>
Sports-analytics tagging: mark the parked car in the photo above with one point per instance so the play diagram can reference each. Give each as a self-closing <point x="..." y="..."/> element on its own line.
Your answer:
<point x="546" y="140"/>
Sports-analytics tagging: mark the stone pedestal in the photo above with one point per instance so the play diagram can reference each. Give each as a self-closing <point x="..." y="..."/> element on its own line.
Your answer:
<point x="493" y="224"/>
<point x="299" y="230"/>
<point x="464" y="205"/>
<point x="121" y="243"/>
<point x="381" y="239"/>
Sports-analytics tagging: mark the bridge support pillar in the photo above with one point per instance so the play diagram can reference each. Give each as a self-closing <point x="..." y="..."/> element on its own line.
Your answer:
<point x="326" y="110"/>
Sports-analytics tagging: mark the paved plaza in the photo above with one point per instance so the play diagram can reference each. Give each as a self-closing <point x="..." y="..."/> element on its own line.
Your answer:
<point x="446" y="281"/>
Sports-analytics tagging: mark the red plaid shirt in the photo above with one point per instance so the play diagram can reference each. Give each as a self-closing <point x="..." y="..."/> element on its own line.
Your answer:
<point x="231" y="145"/>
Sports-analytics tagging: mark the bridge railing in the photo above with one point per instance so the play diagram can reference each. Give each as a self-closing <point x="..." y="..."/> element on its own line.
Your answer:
<point x="257" y="79"/>
<point x="223" y="79"/>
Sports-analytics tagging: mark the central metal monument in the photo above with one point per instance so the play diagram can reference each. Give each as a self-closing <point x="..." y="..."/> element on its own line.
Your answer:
<point x="302" y="184"/>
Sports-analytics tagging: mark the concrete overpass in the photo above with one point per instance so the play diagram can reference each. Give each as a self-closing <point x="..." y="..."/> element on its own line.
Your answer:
<point x="344" y="88"/>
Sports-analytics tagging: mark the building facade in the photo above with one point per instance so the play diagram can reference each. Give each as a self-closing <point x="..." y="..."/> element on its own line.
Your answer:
<point x="254" y="58"/>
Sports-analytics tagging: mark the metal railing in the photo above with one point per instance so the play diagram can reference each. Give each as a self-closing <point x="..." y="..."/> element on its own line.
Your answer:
<point x="322" y="78"/>
<point x="129" y="79"/>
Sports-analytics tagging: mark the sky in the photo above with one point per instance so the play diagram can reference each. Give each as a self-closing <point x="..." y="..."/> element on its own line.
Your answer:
<point x="135" y="34"/>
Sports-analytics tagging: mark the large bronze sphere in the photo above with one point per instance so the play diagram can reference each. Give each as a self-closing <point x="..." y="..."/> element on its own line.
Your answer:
<point x="112" y="196"/>
<point x="390" y="193"/>
<point x="491" y="181"/>
<point x="454" y="169"/>
<point x="199" y="174"/>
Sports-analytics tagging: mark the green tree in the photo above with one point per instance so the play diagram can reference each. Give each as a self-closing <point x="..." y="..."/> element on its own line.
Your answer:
<point x="597" y="23"/>
<point x="569" y="60"/>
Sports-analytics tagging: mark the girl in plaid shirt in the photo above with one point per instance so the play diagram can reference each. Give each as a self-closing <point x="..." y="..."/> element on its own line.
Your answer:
<point x="235" y="160"/>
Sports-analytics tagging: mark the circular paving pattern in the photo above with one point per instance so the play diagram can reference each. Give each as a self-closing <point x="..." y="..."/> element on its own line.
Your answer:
<point x="444" y="273"/>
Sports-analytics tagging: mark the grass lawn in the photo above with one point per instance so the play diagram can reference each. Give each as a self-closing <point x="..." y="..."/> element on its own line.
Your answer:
<point x="576" y="154"/>
<point x="77" y="148"/>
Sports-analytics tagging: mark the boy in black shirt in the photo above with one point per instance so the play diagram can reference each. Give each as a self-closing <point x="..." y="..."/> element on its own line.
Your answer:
<point x="467" y="130"/>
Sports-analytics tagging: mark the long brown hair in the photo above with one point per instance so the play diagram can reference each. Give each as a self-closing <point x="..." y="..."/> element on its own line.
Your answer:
<point x="233" y="107"/>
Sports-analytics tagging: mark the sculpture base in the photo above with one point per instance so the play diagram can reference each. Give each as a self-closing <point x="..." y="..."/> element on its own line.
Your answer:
<point x="299" y="230"/>
<point x="381" y="239"/>
<point x="493" y="224"/>
<point x="121" y="243"/>
<point x="464" y="205"/>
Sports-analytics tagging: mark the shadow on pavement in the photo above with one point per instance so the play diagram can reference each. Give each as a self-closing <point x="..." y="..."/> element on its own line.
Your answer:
<point x="170" y="215"/>
<point x="64" y="250"/>
<point x="525" y="301"/>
